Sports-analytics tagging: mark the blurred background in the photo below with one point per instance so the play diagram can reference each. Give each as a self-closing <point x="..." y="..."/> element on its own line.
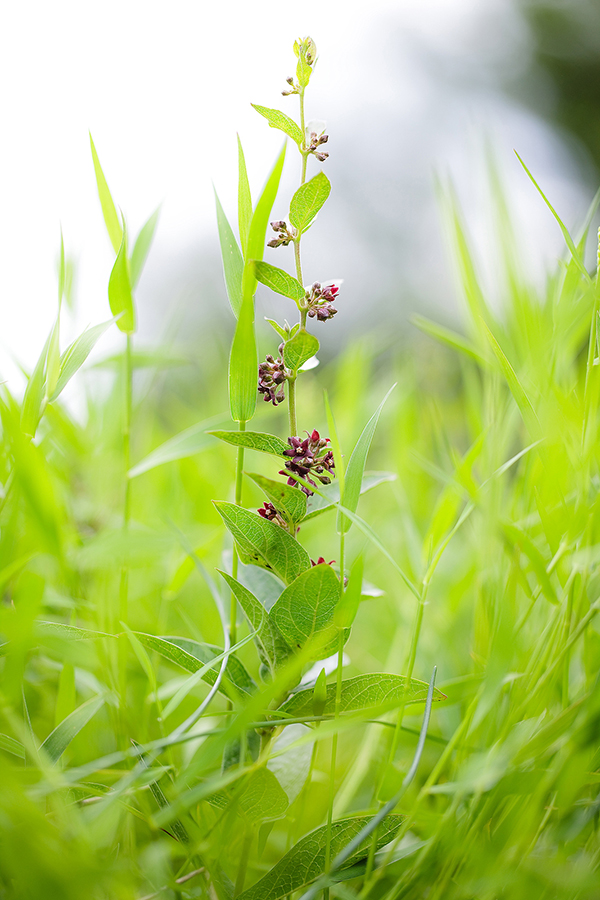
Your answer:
<point x="411" y="92"/>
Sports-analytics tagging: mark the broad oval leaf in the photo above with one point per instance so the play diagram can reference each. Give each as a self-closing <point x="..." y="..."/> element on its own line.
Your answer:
<point x="305" y="609"/>
<point x="278" y="119"/>
<point x="278" y="280"/>
<point x="300" y="348"/>
<point x="356" y="467"/>
<point x="264" y="543"/>
<point x="57" y="742"/>
<point x="263" y="797"/>
<point x="308" y="200"/>
<point x="191" y="656"/>
<point x="306" y="860"/>
<point x="288" y="501"/>
<point x="271" y="645"/>
<point x="186" y="443"/>
<point x="372" y="691"/>
<point x="254" y="440"/>
<point x="233" y="263"/>
<point x="76" y="354"/>
<point x="120" y="297"/>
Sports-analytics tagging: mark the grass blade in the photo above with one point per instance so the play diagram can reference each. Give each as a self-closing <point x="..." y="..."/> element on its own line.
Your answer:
<point x="111" y="219"/>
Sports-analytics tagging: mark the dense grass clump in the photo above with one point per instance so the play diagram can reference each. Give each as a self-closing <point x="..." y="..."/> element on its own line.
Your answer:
<point x="143" y="751"/>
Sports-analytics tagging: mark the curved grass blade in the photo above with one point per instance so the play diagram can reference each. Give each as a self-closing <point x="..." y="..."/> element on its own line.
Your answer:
<point x="188" y="442"/>
<point x="57" y="742"/>
<point x="120" y="296"/>
<point x="356" y="465"/>
<point x="141" y="248"/>
<point x="233" y="263"/>
<point x="76" y="354"/>
<point x="244" y="200"/>
<point x="109" y="212"/>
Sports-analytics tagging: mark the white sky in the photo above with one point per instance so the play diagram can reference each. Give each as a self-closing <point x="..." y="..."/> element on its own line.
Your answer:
<point x="163" y="89"/>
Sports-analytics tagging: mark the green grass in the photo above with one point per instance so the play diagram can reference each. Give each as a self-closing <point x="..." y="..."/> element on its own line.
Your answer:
<point x="485" y="549"/>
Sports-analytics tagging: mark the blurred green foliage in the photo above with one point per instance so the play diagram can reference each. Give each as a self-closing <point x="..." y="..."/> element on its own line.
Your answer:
<point x="494" y="436"/>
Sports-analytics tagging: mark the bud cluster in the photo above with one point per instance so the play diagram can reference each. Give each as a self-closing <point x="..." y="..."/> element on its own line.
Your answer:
<point x="309" y="459"/>
<point x="284" y="237"/>
<point x="314" y="141"/>
<point x="319" y="300"/>
<point x="268" y="511"/>
<point x="295" y="88"/>
<point x="271" y="378"/>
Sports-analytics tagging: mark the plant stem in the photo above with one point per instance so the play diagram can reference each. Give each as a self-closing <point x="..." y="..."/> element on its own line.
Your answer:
<point x="292" y="406"/>
<point x="124" y="578"/>
<point x="338" y="702"/>
<point x="243" y="864"/>
<point x="239" y="479"/>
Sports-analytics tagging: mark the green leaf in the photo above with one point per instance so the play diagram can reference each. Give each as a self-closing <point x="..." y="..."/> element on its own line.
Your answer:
<point x="10" y="745"/>
<point x="305" y="609"/>
<point x="190" y="683"/>
<point x="142" y="246"/>
<point x="271" y="645"/>
<point x="277" y="328"/>
<point x="244" y="200"/>
<point x="565" y="233"/>
<point x="31" y="410"/>
<point x="57" y="742"/>
<point x="188" y="442"/>
<point x="345" y="611"/>
<point x="263" y="797"/>
<point x="319" y="504"/>
<point x="308" y="200"/>
<point x="233" y="263"/>
<point x="525" y="405"/>
<point x="373" y="691"/>
<point x="289" y="502"/>
<point x="255" y="440"/>
<point x="76" y="354"/>
<point x="264" y="543"/>
<point x="299" y="348"/>
<point x="278" y="280"/>
<point x="243" y="365"/>
<point x="53" y="360"/>
<point x="356" y="466"/>
<point x="120" y="297"/>
<point x="306" y="860"/>
<point x="192" y="656"/>
<point x="111" y="219"/>
<point x="448" y="337"/>
<point x="259" y="223"/>
<point x="278" y="119"/>
<point x="68" y="632"/>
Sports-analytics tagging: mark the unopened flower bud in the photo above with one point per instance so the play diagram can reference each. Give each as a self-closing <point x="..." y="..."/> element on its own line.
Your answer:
<point x="271" y="379"/>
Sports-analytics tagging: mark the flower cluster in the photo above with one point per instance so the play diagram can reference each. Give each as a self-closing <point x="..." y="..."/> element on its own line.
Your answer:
<point x="284" y="237"/>
<point x="271" y="378"/>
<point x="268" y="511"/>
<point x="321" y="560"/>
<point x="309" y="459"/>
<point x="314" y="142"/>
<point x="319" y="300"/>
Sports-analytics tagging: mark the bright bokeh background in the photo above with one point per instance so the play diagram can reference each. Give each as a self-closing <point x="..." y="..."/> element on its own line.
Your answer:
<point x="408" y="89"/>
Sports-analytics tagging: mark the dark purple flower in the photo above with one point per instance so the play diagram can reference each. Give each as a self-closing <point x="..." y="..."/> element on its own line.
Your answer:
<point x="271" y="379"/>
<point x="320" y="299"/>
<point x="268" y="511"/>
<point x="310" y="459"/>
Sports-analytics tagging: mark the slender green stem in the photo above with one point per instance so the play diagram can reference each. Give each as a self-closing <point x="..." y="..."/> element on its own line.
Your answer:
<point x="239" y="483"/>
<point x="292" y="407"/>
<point x="338" y="703"/>
<point x="243" y="864"/>
<point x="124" y="576"/>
